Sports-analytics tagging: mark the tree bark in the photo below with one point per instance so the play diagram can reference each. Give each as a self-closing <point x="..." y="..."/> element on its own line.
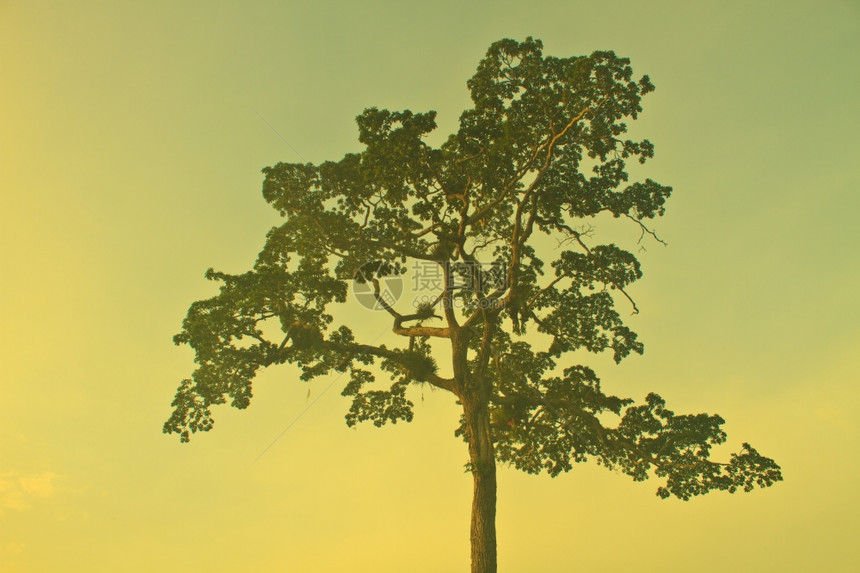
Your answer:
<point x="483" y="465"/>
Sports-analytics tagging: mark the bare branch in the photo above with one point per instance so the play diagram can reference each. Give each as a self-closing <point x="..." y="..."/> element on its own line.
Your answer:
<point x="645" y="230"/>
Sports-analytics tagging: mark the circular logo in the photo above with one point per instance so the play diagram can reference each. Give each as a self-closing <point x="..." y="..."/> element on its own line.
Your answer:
<point x="375" y="284"/>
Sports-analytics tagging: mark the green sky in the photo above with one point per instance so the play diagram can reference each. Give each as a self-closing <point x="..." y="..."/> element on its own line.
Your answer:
<point x="131" y="141"/>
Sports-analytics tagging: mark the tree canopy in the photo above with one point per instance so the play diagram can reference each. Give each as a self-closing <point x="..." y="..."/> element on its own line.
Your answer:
<point x="541" y="152"/>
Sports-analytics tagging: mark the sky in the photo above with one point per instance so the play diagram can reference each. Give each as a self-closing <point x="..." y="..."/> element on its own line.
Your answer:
<point x="132" y="136"/>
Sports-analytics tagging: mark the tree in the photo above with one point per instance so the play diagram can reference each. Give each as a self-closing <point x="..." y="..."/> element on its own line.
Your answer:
<point x="540" y="154"/>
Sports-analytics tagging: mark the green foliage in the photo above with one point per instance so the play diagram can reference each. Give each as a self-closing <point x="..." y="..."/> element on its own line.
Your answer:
<point x="516" y="168"/>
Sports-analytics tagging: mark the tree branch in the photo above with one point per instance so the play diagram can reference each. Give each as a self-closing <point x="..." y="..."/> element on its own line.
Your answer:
<point x="431" y="378"/>
<point x="576" y="236"/>
<point x="399" y="319"/>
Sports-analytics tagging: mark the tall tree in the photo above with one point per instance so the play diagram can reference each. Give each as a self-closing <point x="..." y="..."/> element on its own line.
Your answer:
<point x="541" y="153"/>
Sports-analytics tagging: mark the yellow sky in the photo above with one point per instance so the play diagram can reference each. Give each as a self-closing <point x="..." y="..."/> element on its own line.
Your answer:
<point x="131" y="143"/>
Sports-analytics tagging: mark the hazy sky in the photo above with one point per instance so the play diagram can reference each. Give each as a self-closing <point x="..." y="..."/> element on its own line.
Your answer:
<point x="131" y="141"/>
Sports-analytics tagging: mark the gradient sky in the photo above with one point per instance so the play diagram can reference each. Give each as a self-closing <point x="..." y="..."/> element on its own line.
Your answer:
<point x="131" y="142"/>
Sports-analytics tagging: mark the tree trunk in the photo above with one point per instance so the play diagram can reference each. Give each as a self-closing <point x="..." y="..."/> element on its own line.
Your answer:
<point x="483" y="464"/>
